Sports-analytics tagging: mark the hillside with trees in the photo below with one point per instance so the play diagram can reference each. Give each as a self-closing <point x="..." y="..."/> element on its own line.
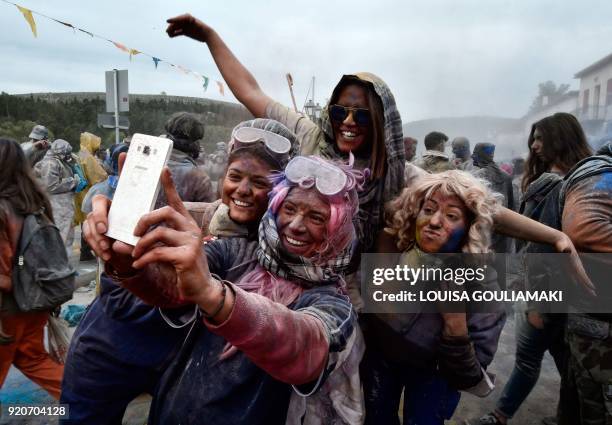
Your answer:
<point x="67" y="115"/>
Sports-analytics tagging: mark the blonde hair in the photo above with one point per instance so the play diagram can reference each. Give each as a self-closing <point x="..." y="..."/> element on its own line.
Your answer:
<point x="473" y="192"/>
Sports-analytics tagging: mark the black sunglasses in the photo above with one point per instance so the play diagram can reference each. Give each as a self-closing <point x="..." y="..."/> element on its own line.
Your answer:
<point x="361" y="116"/>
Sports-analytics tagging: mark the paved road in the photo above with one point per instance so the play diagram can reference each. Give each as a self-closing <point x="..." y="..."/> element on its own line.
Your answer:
<point x="541" y="402"/>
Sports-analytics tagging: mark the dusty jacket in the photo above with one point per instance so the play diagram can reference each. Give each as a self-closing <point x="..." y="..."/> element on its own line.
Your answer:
<point x="271" y="339"/>
<point x="57" y="176"/>
<point x="435" y="162"/>
<point x="416" y="339"/>
<point x="585" y="202"/>
<point x="94" y="172"/>
<point x="54" y="172"/>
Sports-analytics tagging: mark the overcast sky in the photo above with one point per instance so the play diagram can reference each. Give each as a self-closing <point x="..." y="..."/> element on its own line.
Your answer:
<point x="440" y="57"/>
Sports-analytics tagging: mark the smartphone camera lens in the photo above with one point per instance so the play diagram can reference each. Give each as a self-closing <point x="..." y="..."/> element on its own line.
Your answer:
<point x="146" y="150"/>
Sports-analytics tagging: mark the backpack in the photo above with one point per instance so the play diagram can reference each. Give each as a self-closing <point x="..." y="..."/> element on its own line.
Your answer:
<point x="77" y="168"/>
<point x="540" y="203"/>
<point x="42" y="276"/>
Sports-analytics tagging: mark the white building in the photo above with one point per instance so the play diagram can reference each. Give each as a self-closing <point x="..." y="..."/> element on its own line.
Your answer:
<point x="566" y="103"/>
<point x="595" y="98"/>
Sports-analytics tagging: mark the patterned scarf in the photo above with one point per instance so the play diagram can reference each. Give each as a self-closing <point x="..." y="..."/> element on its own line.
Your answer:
<point x="273" y="258"/>
<point x="283" y="277"/>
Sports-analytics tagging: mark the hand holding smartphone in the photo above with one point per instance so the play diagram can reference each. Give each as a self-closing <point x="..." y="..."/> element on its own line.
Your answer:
<point x="138" y="185"/>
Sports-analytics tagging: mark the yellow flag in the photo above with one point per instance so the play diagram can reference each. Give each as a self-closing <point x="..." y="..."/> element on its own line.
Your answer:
<point x="27" y="14"/>
<point x="133" y="52"/>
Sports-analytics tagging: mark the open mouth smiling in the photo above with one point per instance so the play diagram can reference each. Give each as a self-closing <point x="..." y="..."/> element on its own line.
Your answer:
<point x="242" y="204"/>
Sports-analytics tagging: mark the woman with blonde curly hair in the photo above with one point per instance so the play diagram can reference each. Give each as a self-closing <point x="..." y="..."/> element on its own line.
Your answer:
<point x="430" y="356"/>
<point x="471" y="196"/>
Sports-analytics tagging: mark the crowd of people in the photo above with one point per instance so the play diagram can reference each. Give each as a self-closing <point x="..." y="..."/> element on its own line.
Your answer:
<point x="241" y="302"/>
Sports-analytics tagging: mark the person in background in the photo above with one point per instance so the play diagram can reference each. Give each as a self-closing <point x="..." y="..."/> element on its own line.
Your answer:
<point x="486" y="169"/>
<point x="202" y="159"/>
<point x="462" y="153"/>
<point x="58" y="178"/>
<point x="36" y="148"/>
<point x="585" y="200"/>
<point x="186" y="130"/>
<point x="506" y="168"/>
<point x="411" y="172"/>
<point x="22" y="333"/>
<point x="518" y="169"/>
<point x="104" y="160"/>
<point x="94" y="174"/>
<point x="434" y="159"/>
<point x="108" y="186"/>
<point x="215" y="165"/>
<point x="556" y="143"/>
<point x="410" y="147"/>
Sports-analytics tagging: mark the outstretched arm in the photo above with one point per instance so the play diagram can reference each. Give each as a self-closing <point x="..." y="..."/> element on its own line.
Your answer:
<point x="240" y="81"/>
<point x="509" y="223"/>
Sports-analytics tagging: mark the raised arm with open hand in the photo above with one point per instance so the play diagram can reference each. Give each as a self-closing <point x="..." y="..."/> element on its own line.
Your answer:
<point x="239" y="80"/>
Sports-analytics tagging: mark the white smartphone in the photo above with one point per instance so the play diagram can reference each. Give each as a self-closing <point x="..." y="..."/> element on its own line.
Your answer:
<point x="138" y="185"/>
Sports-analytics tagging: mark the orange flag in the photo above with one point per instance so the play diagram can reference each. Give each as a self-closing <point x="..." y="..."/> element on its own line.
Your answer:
<point x="221" y="89"/>
<point x="27" y="14"/>
<point x="121" y="47"/>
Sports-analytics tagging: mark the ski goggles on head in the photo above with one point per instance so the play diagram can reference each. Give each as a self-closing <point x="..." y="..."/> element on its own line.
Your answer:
<point x="248" y="136"/>
<point x="338" y="113"/>
<point x="328" y="179"/>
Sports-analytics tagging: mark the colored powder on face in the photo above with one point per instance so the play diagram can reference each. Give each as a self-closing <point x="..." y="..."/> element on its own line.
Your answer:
<point x="454" y="241"/>
<point x="461" y="151"/>
<point x="418" y="238"/>
<point x="419" y="224"/>
<point x="489" y="150"/>
<point x="604" y="183"/>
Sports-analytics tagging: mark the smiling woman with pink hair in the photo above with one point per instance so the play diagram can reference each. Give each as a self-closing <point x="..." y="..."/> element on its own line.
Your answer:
<point x="286" y="326"/>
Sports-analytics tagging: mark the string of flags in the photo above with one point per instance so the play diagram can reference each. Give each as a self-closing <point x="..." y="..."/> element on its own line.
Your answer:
<point x="28" y="15"/>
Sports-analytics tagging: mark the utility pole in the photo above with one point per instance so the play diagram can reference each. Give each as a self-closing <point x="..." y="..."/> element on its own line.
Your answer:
<point x="116" y="91"/>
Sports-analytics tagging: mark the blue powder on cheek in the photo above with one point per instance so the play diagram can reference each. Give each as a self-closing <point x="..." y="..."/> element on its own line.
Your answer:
<point x="489" y="150"/>
<point x="604" y="183"/>
<point x="454" y="241"/>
